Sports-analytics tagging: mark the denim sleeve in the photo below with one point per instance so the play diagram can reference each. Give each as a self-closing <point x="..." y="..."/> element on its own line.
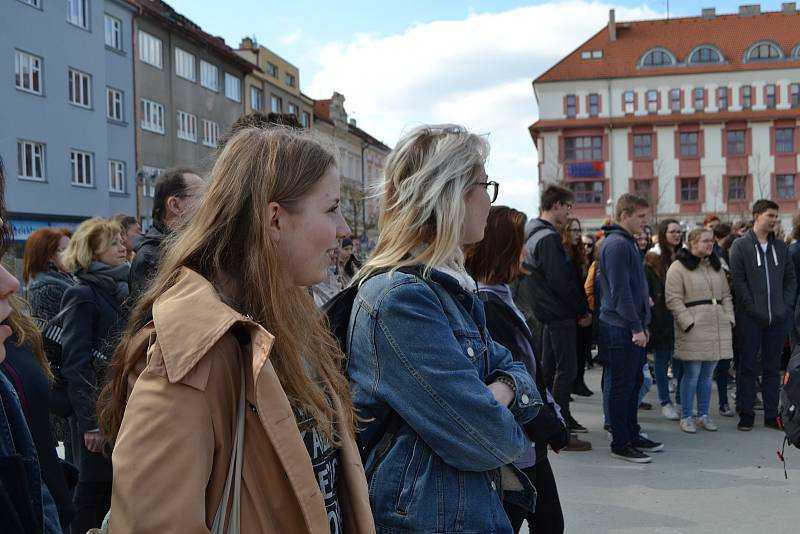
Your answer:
<point x="528" y="401"/>
<point x="422" y="372"/>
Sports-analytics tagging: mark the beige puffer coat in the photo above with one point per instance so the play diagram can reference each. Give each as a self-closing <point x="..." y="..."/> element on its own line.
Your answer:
<point x="699" y="297"/>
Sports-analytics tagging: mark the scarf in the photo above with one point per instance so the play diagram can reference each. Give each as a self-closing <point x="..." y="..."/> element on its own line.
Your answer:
<point x="113" y="280"/>
<point x="451" y="268"/>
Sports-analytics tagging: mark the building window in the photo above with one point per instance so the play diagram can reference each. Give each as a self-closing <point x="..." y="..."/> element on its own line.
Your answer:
<point x="643" y="188"/>
<point x="184" y="64"/>
<point x="784" y="140"/>
<point x="210" y="133"/>
<point x="689" y="144"/>
<point x="292" y="110"/>
<point x="629" y="99"/>
<point x="572" y="106"/>
<point x="675" y="100"/>
<point x="784" y="186"/>
<point x="116" y="176"/>
<point x="114" y="106"/>
<point x="187" y="126"/>
<point x="150" y="50"/>
<point x="747" y="97"/>
<point x="78" y="13"/>
<point x="770" y="92"/>
<point x="764" y="52"/>
<point x="28" y="72"/>
<point x="276" y="104"/>
<point x="82" y="168"/>
<point x="735" y="141"/>
<point x="594" y="105"/>
<point x="305" y="119"/>
<point x="583" y="148"/>
<point x="30" y="160"/>
<point x="705" y="55"/>
<point x="642" y="146"/>
<point x="233" y="87"/>
<point x="657" y="58"/>
<point x="690" y="189"/>
<point x="652" y="101"/>
<point x="209" y="76"/>
<point x="80" y="88"/>
<point x="256" y="98"/>
<point x="737" y="188"/>
<point x="152" y="116"/>
<point x="699" y="99"/>
<point x="722" y="98"/>
<point x="794" y="95"/>
<point x="149" y="175"/>
<point x="33" y="3"/>
<point x="272" y="70"/>
<point x="588" y="192"/>
<point x="289" y="79"/>
<point x="113" y="32"/>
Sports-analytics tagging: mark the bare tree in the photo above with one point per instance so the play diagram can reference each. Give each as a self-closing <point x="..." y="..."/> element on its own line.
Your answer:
<point x="760" y="172"/>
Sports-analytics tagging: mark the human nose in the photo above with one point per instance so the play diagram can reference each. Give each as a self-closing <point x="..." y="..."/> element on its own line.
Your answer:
<point x="342" y="228"/>
<point x="8" y="283"/>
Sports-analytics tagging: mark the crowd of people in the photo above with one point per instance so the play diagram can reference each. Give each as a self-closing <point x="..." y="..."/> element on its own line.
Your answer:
<point x="192" y="375"/>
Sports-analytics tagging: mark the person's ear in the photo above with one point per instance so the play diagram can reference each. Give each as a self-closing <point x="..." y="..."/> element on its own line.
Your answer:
<point x="173" y="205"/>
<point x="274" y="212"/>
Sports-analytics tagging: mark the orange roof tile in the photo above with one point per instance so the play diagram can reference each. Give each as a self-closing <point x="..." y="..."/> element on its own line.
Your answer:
<point x="731" y="34"/>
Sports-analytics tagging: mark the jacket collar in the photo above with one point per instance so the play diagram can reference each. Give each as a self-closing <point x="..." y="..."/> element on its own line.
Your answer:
<point x="190" y="318"/>
<point x="692" y="262"/>
<point x="616" y="229"/>
<point x="752" y="235"/>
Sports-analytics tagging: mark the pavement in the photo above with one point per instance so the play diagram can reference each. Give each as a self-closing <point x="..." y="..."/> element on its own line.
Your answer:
<point x="710" y="482"/>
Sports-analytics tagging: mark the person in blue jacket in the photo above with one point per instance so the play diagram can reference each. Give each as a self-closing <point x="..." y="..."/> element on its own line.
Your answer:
<point x="441" y="405"/>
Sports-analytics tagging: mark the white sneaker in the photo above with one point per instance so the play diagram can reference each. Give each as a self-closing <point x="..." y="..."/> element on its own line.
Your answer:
<point x="687" y="425"/>
<point x="706" y="422"/>
<point x="668" y="411"/>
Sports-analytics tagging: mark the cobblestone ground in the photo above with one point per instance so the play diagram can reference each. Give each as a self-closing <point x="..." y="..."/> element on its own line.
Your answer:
<point x="710" y="482"/>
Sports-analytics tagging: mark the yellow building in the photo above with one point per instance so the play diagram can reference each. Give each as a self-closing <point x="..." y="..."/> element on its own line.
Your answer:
<point x="274" y="87"/>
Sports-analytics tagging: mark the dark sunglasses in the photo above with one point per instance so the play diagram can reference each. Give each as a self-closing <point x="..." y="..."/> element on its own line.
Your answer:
<point x="492" y="188"/>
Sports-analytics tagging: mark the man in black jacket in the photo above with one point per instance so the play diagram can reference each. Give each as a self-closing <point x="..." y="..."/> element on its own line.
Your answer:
<point x="176" y="190"/>
<point x="554" y="296"/>
<point x="765" y="287"/>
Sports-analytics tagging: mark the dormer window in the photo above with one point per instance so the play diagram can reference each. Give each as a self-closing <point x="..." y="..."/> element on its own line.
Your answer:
<point x="764" y="51"/>
<point x="658" y="57"/>
<point x="705" y="55"/>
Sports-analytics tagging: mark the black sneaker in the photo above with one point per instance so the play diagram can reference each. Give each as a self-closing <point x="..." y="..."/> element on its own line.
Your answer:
<point x="746" y="422"/>
<point x="582" y="390"/>
<point x="575" y="426"/>
<point x="631" y="454"/>
<point x="647" y="445"/>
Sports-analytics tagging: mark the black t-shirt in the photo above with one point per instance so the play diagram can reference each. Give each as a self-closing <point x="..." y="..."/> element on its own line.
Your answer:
<point x="325" y="461"/>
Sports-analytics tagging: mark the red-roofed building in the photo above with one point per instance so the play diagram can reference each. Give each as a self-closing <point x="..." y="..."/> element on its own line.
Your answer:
<point x="699" y="114"/>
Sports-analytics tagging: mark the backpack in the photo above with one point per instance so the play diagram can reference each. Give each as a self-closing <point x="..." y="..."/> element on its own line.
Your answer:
<point x="338" y="310"/>
<point x="789" y="407"/>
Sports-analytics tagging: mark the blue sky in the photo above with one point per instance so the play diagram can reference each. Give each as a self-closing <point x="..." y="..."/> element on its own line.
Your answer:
<point x="400" y="64"/>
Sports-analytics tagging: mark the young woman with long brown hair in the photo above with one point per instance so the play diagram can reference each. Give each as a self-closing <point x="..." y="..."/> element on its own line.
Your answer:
<point x="576" y="252"/>
<point x="229" y="314"/>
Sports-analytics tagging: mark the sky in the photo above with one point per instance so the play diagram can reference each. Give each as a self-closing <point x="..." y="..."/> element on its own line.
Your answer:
<point x="401" y="64"/>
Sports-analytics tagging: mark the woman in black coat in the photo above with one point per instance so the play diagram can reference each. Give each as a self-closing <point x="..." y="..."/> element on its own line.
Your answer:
<point x="93" y="316"/>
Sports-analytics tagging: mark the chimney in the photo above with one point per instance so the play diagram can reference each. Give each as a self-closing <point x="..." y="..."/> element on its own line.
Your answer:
<point x="612" y="26"/>
<point x="246" y="43"/>
<point x="750" y="10"/>
<point x="709" y="13"/>
<point x="353" y="122"/>
<point x="789" y="7"/>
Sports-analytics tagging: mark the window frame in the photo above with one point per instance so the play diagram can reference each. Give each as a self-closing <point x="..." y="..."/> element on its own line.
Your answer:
<point x="778" y="197"/>
<point x="736" y="142"/>
<point x="88" y="168"/>
<point x="664" y="53"/>
<point x="147" y="107"/>
<point x="571" y="106"/>
<point x="259" y="93"/>
<point x="591" y="150"/>
<point x="682" y="144"/>
<point x="22" y="160"/>
<point x="85" y="88"/>
<point x="206" y="75"/>
<point x="210" y="133"/>
<point x="150" y="43"/>
<point x="694" y="60"/>
<point x="184" y="59"/>
<point x="111" y="91"/>
<point x="116" y="170"/>
<point x="290" y="107"/>
<point x="591" y="193"/>
<point x="36" y="72"/>
<point x="732" y="181"/>
<point x="699" y="97"/>
<point x="273" y="99"/>
<point x="596" y="104"/>
<point x="305" y="119"/>
<point x="675" y="97"/>
<point x="289" y="79"/>
<point x="759" y="46"/>
<point x="794" y="95"/>
<point x="683" y="181"/>
<point x="723" y="92"/>
<point x="748" y="89"/>
<point x="639" y="151"/>
<point x="229" y="83"/>
<point x="782" y="144"/>
<point x="186" y="128"/>
<point x="770" y="100"/>
<point x="651" y="100"/>
<point x="629" y="106"/>
<point x="82" y="12"/>
<point x="272" y="69"/>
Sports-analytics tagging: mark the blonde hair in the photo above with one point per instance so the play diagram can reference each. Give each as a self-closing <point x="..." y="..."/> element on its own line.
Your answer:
<point x="228" y="240"/>
<point x="93" y="236"/>
<point x="426" y="178"/>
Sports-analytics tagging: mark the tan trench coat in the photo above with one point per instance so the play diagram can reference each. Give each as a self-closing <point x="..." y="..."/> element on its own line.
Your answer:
<point x="173" y="450"/>
<point x="710" y="337"/>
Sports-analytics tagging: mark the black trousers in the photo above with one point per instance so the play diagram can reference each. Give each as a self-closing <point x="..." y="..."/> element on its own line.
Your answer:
<point x="583" y="352"/>
<point x="92" y="501"/>
<point x="548" y="518"/>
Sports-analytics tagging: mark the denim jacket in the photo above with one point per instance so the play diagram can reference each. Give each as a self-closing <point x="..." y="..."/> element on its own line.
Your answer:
<point x="16" y="447"/>
<point x="421" y="349"/>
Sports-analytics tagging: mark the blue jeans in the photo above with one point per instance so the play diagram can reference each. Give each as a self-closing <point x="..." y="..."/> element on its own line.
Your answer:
<point x="605" y="382"/>
<point x="696" y="379"/>
<point x="661" y="360"/>
<point x="677" y="373"/>
<point x="625" y="363"/>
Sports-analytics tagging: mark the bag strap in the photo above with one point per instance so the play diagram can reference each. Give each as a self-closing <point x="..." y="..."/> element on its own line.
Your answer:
<point x="234" y="477"/>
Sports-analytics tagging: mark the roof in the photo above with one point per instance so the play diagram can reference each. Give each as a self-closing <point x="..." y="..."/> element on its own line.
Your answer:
<point x="322" y="109"/>
<point x="730" y="34"/>
<point x="375" y="143"/>
<point x="164" y="14"/>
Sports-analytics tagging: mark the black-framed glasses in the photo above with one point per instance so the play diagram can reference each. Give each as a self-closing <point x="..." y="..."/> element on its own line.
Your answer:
<point x="492" y="188"/>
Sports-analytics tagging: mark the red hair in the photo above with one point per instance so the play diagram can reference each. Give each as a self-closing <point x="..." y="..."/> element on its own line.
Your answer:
<point x="40" y="248"/>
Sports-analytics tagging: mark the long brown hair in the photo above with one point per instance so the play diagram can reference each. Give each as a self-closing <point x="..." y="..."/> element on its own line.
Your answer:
<point x="496" y="259"/>
<point x="228" y="239"/>
<point x="576" y="253"/>
<point x="27" y="333"/>
<point x="40" y="248"/>
<point x="667" y="251"/>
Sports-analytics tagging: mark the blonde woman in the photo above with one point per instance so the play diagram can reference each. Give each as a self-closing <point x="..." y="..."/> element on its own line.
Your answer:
<point x="228" y="320"/>
<point x="698" y="295"/>
<point x="442" y="404"/>
<point x="93" y="316"/>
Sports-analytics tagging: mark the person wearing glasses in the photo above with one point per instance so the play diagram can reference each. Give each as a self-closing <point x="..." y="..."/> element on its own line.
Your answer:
<point x="441" y="406"/>
<point x="553" y="295"/>
<point x="576" y="251"/>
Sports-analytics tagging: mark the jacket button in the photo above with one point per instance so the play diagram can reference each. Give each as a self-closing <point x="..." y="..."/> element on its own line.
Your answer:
<point x="470" y="352"/>
<point x="524" y="399"/>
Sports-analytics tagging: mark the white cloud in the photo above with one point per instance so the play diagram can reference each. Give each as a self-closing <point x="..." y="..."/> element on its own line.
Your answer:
<point x="475" y="71"/>
<point x="292" y="38"/>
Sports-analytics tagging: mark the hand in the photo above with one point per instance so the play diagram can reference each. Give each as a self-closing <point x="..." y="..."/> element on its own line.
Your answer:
<point x="652" y="302"/>
<point x="585" y="321"/>
<point x="93" y="440"/>
<point x="502" y="393"/>
<point x="640" y="339"/>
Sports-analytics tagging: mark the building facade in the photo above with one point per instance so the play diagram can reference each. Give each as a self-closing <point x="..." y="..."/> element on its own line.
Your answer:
<point x="274" y="87"/>
<point x="189" y="90"/>
<point x="361" y="159"/>
<point x="698" y="114"/>
<point x="66" y="123"/>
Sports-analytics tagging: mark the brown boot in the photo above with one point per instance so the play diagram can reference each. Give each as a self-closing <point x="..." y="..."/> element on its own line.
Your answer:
<point x="576" y="444"/>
